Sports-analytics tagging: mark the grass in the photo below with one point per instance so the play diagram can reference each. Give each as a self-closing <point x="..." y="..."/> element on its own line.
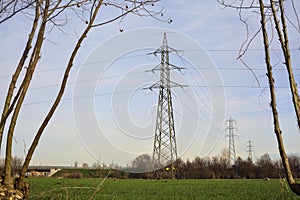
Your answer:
<point x="54" y="188"/>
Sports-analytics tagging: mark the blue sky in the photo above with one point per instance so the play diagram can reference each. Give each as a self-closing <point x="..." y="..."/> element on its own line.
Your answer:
<point x="107" y="116"/>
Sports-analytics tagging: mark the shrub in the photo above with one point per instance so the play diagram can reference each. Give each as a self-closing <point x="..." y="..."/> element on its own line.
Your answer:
<point x="73" y="175"/>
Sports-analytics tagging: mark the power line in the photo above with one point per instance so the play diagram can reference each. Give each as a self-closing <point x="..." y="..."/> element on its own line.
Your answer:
<point x="186" y="50"/>
<point x="81" y="65"/>
<point x="238" y="50"/>
<point x="134" y="73"/>
<point x="236" y="86"/>
<point x="195" y="68"/>
<point x="78" y="98"/>
<point x="239" y="68"/>
<point x="196" y="92"/>
<point x="194" y="86"/>
<point x="220" y="119"/>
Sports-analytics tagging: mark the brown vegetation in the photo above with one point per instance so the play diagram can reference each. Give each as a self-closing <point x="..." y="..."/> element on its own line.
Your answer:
<point x="216" y="167"/>
<point x="73" y="175"/>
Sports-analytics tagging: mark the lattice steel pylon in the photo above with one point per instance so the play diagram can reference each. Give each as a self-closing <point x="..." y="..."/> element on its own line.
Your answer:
<point x="231" y="148"/>
<point x="249" y="149"/>
<point x="164" y="147"/>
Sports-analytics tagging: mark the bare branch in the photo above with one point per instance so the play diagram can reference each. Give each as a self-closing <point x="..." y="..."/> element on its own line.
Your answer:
<point x="267" y="11"/>
<point x="54" y="13"/>
<point x="283" y="38"/>
<point x="242" y="50"/>
<point x="8" y="107"/>
<point x="27" y="79"/>
<point x="116" y="18"/>
<point x="14" y="9"/>
<point x="292" y="23"/>
<point x="251" y="70"/>
<point x="59" y="96"/>
<point x="136" y="8"/>
<point x="245" y="45"/>
<point x="297" y="16"/>
<point x="238" y="6"/>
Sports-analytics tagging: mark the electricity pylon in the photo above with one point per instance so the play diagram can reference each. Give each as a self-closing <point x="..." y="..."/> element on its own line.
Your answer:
<point x="164" y="147"/>
<point x="231" y="147"/>
<point x="249" y="149"/>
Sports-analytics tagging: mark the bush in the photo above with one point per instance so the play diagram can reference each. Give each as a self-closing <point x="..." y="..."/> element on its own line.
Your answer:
<point x="73" y="175"/>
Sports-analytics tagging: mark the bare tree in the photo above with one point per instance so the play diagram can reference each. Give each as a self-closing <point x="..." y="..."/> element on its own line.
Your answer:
<point x="274" y="14"/>
<point x="10" y="8"/>
<point x="47" y="13"/>
<point x="16" y="165"/>
<point x="142" y="163"/>
<point x="76" y="164"/>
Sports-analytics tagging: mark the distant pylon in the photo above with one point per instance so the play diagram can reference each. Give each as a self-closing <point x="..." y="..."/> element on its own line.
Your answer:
<point x="249" y="149"/>
<point x="231" y="148"/>
<point x="164" y="147"/>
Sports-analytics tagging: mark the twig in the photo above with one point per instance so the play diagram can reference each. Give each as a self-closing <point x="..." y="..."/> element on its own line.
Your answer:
<point x="99" y="186"/>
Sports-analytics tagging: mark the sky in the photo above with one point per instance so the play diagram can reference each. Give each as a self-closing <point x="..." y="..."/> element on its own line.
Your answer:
<point x="107" y="115"/>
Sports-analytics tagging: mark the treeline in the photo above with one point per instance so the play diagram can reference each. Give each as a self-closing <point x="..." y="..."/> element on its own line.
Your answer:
<point x="215" y="167"/>
<point x="218" y="167"/>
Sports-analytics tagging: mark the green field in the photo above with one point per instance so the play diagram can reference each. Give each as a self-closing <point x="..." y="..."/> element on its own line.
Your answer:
<point x="55" y="188"/>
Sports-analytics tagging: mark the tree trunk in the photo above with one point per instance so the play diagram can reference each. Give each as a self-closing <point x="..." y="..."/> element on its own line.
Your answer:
<point x="8" y="107"/>
<point x="35" y="56"/>
<point x="57" y="100"/>
<point x="293" y="184"/>
<point x="283" y="39"/>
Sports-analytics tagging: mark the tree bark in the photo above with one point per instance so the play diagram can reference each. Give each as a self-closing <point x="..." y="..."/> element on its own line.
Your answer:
<point x="58" y="98"/>
<point x="8" y="107"/>
<point x="283" y="39"/>
<point x="35" y="56"/>
<point x="293" y="184"/>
